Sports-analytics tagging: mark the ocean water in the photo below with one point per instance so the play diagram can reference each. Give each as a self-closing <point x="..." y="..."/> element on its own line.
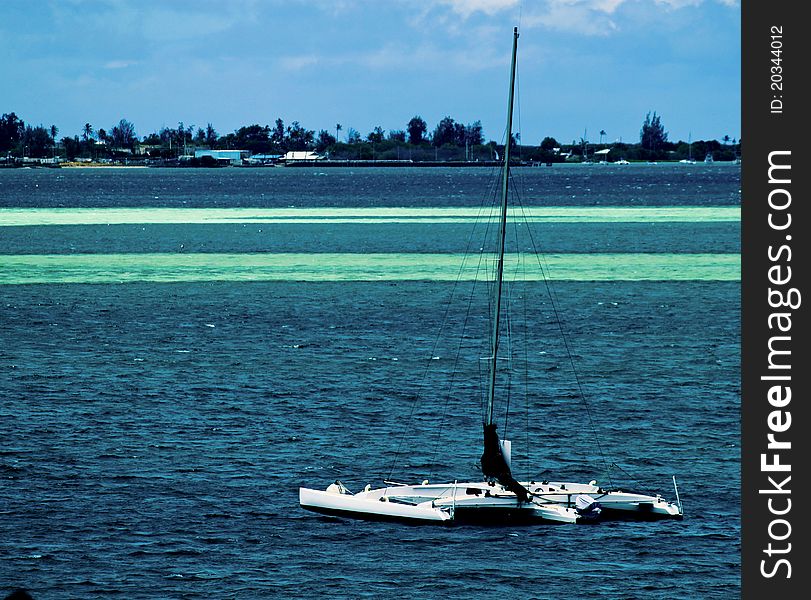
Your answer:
<point x="170" y="381"/>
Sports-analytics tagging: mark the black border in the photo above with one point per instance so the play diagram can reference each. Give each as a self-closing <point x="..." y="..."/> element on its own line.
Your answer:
<point x="763" y="132"/>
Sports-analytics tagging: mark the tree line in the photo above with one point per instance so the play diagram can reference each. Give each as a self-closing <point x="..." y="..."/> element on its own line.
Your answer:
<point x="448" y="140"/>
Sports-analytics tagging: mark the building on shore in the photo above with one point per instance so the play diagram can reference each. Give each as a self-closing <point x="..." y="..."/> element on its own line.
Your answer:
<point x="231" y="157"/>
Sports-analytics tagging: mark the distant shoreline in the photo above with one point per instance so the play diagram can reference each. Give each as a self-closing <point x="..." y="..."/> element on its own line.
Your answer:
<point x="352" y="164"/>
<point x="101" y="166"/>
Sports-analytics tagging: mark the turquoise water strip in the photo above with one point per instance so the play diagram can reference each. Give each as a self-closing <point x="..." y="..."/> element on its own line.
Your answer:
<point x="16" y="217"/>
<point x="168" y="267"/>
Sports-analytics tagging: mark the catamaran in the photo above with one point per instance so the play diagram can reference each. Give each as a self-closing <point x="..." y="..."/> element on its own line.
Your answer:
<point x="498" y="497"/>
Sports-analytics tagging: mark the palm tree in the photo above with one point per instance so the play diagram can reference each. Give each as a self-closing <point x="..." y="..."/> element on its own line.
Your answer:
<point x="54" y="131"/>
<point x="602" y="134"/>
<point x="87" y="131"/>
<point x="211" y="136"/>
<point x="104" y="139"/>
<point x="338" y="128"/>
<point x="726" y="140"/>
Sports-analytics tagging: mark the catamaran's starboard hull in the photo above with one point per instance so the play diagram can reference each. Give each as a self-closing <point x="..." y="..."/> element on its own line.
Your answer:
<point x="518" y="516"/>
<point x="638" y="512"/>
<point x="614" y="504"/>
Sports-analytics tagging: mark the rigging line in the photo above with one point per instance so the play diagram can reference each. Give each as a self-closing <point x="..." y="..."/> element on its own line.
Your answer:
<point x="508" y="319"/>
<point x="490" y="268"/>
<point x="482" y="397"/>
<point x="483" y="251"/>
<point x="495" y="179"/>
<point x="490" y="276"/>
<point x="554" y="302"/>
<point x="632" y="477"/>
<point x="528" y="462"/>
<point x="471" y="296"/>
<point x="445" y="316"/>
<point x="510" y="288"/>
<point x="544" y="268"/>
<point x="454" y="371"/>
<point x="521" y="269"/>
<point x="491" y="193"/>
<point x="450" y="388"/>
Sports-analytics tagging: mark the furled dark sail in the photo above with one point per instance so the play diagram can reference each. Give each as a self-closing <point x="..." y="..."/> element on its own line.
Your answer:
<point x="495" y="465"/>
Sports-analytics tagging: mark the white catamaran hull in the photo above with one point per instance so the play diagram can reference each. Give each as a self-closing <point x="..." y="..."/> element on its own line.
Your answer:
<point x="614" y="504"/>
<point x="363" y="506"/>
<point x="485" y="502"/>
<point x="478" y="502"/>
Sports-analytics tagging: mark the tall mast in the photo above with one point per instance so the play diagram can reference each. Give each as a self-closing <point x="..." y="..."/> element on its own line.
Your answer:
<point x="502" y="235"/>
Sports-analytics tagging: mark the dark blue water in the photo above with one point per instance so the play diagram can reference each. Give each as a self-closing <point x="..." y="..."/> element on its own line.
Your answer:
<point x="350" y="237"/>
<point x="155" y="435"/>
<point x="716" y="184"/>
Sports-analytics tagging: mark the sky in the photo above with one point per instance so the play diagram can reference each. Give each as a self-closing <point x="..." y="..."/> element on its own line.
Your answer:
<point x="583" y="65"/>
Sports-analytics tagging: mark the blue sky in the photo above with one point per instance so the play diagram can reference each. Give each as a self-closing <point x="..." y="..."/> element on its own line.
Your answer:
<point x="584" y="65"/>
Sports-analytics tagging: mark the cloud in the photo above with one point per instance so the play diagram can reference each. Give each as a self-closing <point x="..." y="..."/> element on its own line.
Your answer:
<point x="152" y="21"/>
<point x="466" y="8"/>
<point x="171" y="23"/>
<point x="120" y="64"/>
<point x="399" y="56"/>
<point x="590" y="17"/>
<point x="587" y="17"/>
<point x="297" y="63"/>
<point x="676" y="4"/>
